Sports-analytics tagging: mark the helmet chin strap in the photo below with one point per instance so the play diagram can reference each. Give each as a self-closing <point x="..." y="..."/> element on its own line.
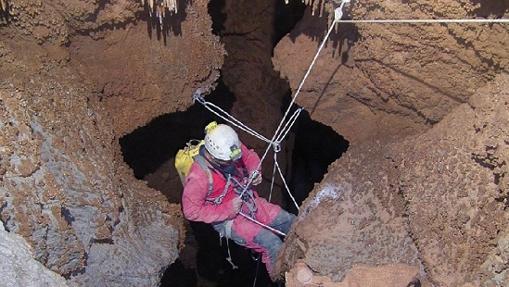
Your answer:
<point x="210" y="158"/>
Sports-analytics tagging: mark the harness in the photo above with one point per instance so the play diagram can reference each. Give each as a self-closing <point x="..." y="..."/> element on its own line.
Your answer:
<point x="224" y="228"/>
<point x="238" y="187"/>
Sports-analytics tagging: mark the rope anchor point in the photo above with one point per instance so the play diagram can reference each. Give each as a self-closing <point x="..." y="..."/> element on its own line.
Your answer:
<point x="338" y="12"/>
<point x="198" y="96"/>
<point x="276" y="146"/>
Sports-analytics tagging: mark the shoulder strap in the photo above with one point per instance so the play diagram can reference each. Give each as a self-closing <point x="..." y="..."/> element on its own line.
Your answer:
<point x="203" y="164"/>
<point x="207" y="168"/>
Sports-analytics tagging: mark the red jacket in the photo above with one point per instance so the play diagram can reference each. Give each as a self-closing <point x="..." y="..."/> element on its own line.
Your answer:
<point x="194" y="203"/>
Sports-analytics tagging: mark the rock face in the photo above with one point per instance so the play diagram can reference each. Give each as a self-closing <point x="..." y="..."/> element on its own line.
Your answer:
<point x="360" y="217"/>
<point x="437" y="201"/>
<point x="248" y="33"/>
<point x="455" y="181"/>
<point x="389" y="275"/>
<point x="19" y="268"/>
<point x="424" y="182"/>
<point x="388" y="79"/>
<point x="63" y="184"/>
<point x="141" y="74"/>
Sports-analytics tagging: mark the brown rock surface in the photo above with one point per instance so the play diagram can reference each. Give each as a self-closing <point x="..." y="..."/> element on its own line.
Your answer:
<point x="355" y="216"/>
<point x="63" y="184"/>
<point x="373" y="80"/>
<point x="140" y="76"/>
<point x="455" y="181"/>
<point x="74" y="201"/>
<point x="248" y="34"/>
<point x="248" y="37"/>
<point x="424" y="182"/>
<point x="439" y="198"/>
<point x="57" y="21"/>
<point x="391" y="275"/>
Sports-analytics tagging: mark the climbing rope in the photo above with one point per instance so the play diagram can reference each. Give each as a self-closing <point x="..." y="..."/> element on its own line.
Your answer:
<point x="426" y="21"/>
<point x="218" y="111"/>
<point x="261" y="224"/>
<point x="256" y="272"/>
<point x="286" y="185"/>
<point x="229" y="258"/>
<point x="273" y="177"/>
<point x="281" y="130"/>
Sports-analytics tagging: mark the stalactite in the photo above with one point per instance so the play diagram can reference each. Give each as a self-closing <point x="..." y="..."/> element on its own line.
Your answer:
<point x="3" y="5"/>
<point x="321" y="6"/>
<point x="159" y="8"/>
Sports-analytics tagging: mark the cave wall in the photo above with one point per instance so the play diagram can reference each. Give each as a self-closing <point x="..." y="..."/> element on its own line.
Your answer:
<point x="248" y="37"/>
<point x="388" y="79"/>
<point x="248" y="30"/>
<point x="455" y="181"/>
<point x="19" y="267"/>
<point x="66" y="190"/>
<point x="65" y="98"/>
<point x="142" y="71"/>
<point x="437" y="201"/>
<point x="354" y="216"/>
<point x="425" y="108"/>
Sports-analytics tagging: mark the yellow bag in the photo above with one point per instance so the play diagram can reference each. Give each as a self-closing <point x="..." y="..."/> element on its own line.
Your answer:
<point x="185" y="158"/>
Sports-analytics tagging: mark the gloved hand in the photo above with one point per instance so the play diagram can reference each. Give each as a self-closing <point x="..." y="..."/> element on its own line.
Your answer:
<point x="258" y="178"/>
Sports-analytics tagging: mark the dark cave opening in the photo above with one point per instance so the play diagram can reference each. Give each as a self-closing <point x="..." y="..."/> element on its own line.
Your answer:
<point x="314" y="147"/>
<point x="149" y="151"/>
<point x="286" y="17"/>
<point x="203" y="262"/>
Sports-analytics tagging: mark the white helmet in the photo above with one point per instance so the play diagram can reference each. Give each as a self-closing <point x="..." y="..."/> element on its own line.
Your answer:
<point x="223" y="143"/>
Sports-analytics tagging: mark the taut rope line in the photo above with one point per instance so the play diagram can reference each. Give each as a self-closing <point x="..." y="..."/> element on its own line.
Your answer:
<point x="424" y="21"/>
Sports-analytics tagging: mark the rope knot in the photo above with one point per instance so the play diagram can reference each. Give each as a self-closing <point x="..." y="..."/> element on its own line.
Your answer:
<point x="198" y="96"/>
<point x="338" y="12"/>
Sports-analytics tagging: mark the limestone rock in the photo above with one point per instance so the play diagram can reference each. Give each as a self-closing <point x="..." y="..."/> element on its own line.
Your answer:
<point x="425" y="108"/>
<point x="392" y="275"/>
<point x="454" y="179"/>
<point x="437" y="200"/>
<point x="373" y="80"/>
<point x="19" y="268"/>
<point x="63" y="184"/>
